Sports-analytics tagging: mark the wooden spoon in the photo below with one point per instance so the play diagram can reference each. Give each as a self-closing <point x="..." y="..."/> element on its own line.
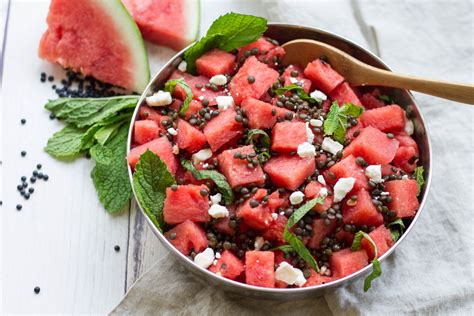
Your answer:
<point x="356" y="73"/>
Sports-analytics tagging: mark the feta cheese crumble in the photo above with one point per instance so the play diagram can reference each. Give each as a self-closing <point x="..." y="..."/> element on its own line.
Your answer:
<point x="321" y="179"/>
<point x="374" y="173"/>
<point x="409" y="127"/>
<point x="202" y="155"/>
<point x="331" y="146"/>
<point x="318" y="95"/>
<point x="286" y="273"/>
<point x="296" y="197"/>
<point x="218" y="255"/>
<point x="323" y="192"/>
<point x="218" y="211"/>
<point x="218" y="80"/>
<point x="274" y="216"/>
<point x="172" y="131"/>
<point x="182" y="66"/>
<point x="161" y="98"/>
<point x="342" y="187"/>
<point x="224" y="102"/>
<point x="216" y="198"/>
<point x="306" y="150"/>
<point x="293" y="80"/>
<point x="205" y="258"/>
<point x="258" y="244"/>
<point x="309" y="134"/>
<point x="315" y="123"/>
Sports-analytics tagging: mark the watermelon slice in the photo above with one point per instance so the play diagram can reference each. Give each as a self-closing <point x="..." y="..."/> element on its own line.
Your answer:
<point x="301" y="168"/>
<point x="287" y="136"/>
<point x="186" y="203"/>
<point x="259" y="268"/>
<point x="312" y="190"/>
<point x="276" y="229"/>
<point x="77" y="31"/>
<point x="403" y="193"/>
<point x="172" y="23"/>
<point x="145" y="131"/>
<point x="345" y="262"/>
<point x="228" y="266"/>
<point x="186" y="236"/>
<point x="261" y="114"/>
<point x="161" y="147"/>
<point x="236" y="170"/>
<point x="256" y="217"/>
<point x="362" y="213"/>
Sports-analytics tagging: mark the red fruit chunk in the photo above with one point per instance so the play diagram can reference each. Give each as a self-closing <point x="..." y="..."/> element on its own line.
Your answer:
<point x="287" y="136"/>
<point x="145" y="131"/>
<point x="390" y="118"/>
<point x="312" y="190"/>
<point x="276" y="200"/>
<point x="345" y="262"/>
<point x="275" y="231"/>
<point x="161" y="147"/>
<point x="222" y="129"/>
<point x="215" y="62"/>
<point x="403" y="193"/>
<point x="228" y="266"/>
<point x="344" y="94"/>
<point x="344" y="236"/>
<point x="193" y="109"/>
<point x="273" y="56"/>
<point x="240" y="88"/>
<point x="371" y="100"/>
<point x="189" y="235"/>
<point x="320" y="230"/>
<point x="350" y="131"/>
<point x="362" y="213"/>
<point x="300" y="78"/>
<point x="222" y="224"/>
<point x="317" y="279"/>
<point x="407" y="141"/>
<point x="406" y="159"/>
<point x="382" y="239"/>
<point x="260" y="114"/>
<point x="348" y="168"/>
<point x="278" y="168"/>
<point x="258" y="217"/>
<point x="186" y="203"/>
<point x="236" y="170"/>
<point x="373" y="145"/>
<point x="259" y="268"/>
<point x="189" y="137"/>
<point x="323" y="76"/>
<point x="147" y="113"/>
<point x="198" y="93"/>
<point x="262" y="45"/>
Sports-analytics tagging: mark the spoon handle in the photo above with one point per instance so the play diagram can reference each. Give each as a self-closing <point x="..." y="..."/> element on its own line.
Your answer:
<point x="448" y="90"/>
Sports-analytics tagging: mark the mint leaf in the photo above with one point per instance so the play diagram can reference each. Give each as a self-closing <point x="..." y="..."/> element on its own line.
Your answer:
<point x="65" y="144"/>
<point x="299" y="92"/>
<point x="110" y="174"/>
<point x="420" y="180"/>
<point x="302" y="210"/>
<point x="171" y="85"/>
<point x="262" y="136"/>
<point x="351" y="109"/>
<point x="151" y="178"/>
<point x="397" y="227"/>
<point x="285" y="248"/>
<point x="376" y="269"/>
<point x="387" y="99"/>
<point x="336" y="119"/>
<point x="107" y="132"/>
<point x="88" y="140"/>
<point x="101" y="154"/>
<point x="219" y="179"/>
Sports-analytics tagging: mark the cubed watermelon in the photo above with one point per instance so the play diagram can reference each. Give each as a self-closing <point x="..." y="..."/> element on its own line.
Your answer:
<point x="371" y="100"/>
<point x="200" y="93"/>
<point x="299" y="79"/>
<point x="347" y="168"/>
<point x="320" y="230"/>
<point x="215" y="62"/>
<point x="186" y="203"/>
<point x="276" y="201"/>
<point x="390" y="118"/>
<point x="343" y="93"/>
<point x="258" y="217"/>
<point x="363" y="212"/>
<point x="147" y="113"/>
<point x="346" y="237"/>
<point x="278" y="168"/>
<point x="236" y="170"/>
<point x="189" y="137"/>
<point x="193" y="109"/>
<point x="260" y="114"/>
<point x="403" y="193"/>
<point x="275" y="231"/>
<point x="259" y="268"/>
<point x="187" y="236"/>
<point x="346" y="261"/>
<point x="323" y="76"/>
<point x="353" y="131"/>
<point x="240" y="88"/>
<point x="373" y="145"/>
<point x="228" y="266"/>
<point x="287" y="136"/>
<point x="407" y="141"/>
<point x="161" y="147"/>
<point x="382" y="239"/>
<point x="223" y="129"/>
<point x="145" y="131"/>
<point x="222" y="224"/>
<point x="312" y="190"/>
<point x="273" y="57"/>
<point x="405" y="158"/>
<point x="317" y="279"/>
<point x="262" y="45"/>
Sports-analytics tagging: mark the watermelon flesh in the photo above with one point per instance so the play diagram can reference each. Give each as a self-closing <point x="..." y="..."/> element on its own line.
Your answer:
<point x="161" y="147"/>
<point x="199" y="94"/>
<point x="275" y="231"/>
<point x="363" y="212"/>
<point x="390" y="118"/>
<point x="287" y="136"/>
<point x="323" y="77"/>
<point x="215" y="62"/>
<point x="343" y="93"/>
<point x="228" y="266"/>
<point x="301" y="168"/>
<point x="404" y="200"/>
<point x="300" y="79"/>
<point x="320" y="230"/>
<point x="77" y="31"/>
<point x="145" y="131"/>
<point x="186" y="203"/>
<point x="348" y="168"/>
<point x="147" y="113"/>
<point x="260" y="114"/>
<point x="346" y="262"/>
<point x="317" y="279"/>
<point x="382" y="240"/>
<point x="223" y="129"/>
<point x="256" y="217"/>
<point x="312" y="190"/>
<point x="236" y="170"/>
<point x="172" y="23"/>
<point x="189" y="236"/>
<point x="189" y="137"/>
<point x="259" y="268"/>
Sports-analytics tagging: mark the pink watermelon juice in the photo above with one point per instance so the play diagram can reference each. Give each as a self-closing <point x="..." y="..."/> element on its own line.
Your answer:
<point x="272" y="149"/>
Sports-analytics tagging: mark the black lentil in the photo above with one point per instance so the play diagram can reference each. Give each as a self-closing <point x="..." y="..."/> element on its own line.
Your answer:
<point x="37" y="289"/>
<point x="23" y="153"/>
<point x="19" y="207"/>
<point x="251" y="79"/>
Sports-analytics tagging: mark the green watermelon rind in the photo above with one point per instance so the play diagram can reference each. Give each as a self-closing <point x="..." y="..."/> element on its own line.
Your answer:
<point x="133" y="38"/>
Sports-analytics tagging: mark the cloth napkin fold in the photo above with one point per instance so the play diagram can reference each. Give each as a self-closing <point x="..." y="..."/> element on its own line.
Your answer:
<point x="431" y="272"/>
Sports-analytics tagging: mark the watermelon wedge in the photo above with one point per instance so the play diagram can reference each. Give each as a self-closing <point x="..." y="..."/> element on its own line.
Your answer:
<point x="98" y="39"/>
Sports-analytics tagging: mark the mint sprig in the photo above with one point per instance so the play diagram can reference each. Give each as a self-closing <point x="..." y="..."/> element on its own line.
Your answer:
<point x="397" y="227"/>
<point x="299" y="92"/>
<point x="228" y="32"/>
<point x="419" y="177"/>
<point x="258" y="135"/>
<point x="336" y="121"/>
<point x="170" y="85"/>
<point x="376" y="268"/>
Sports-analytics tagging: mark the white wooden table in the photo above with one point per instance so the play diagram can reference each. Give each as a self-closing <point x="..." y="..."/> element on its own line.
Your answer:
<point x="62" y="240"/>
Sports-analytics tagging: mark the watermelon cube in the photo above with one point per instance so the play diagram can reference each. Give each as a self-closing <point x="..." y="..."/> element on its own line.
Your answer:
<point x="228" y="266"/>
<point x="343" y="93"/>
<point x="276" y="201"/>
<point x="187" y="236"/>
<point x="215" y="62"/>
<point x="317" y="279"/>
<point x="145" y="131"/>
<point x="382" y="239"/>
<point x="320" y="230"/>
<point x="147" y="113"/>
<point x="406" y="158"/>
<point x="346" y="237"/>
<point x="273" y="57"/>
<point x="322" y="76"/>
<point x="262" y="45"/>
<point x="371" y="100"/>
<point x="223" y="129"/>
<point x="373" y="145"/>
<point x="362" y="213"/>
<point x="194" y="82"/>
<point x="236" y="170"/>
<point x="404" y="200"/>
<point x="189" y="137"/>
<point x="353" y="131"/>
<point x="161" y="147"/>
<point x="348" y="168"/>
<point x="346" y="261"/>
<point x="278" y="168"/>
<point x="260" y="114"/>
<point x="240" y="88"/>
<point x="407" y="141"/>
<point x="275" y="231"/>
<point x="300" y="79"/>
<point x="222" y="224"/>
<point x="193" y="109"/>
<point x="259" y="268"/>
<point x="287" y="136"/>
<point x="186" y="203"/>
<point x="390" y="118"/>
<point x="312" y="190"/>
<point x="258" y="217"/>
